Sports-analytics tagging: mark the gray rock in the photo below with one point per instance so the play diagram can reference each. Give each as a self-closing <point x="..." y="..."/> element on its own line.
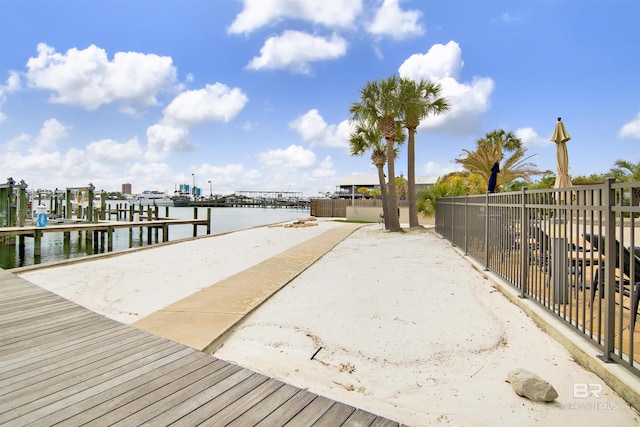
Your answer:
<point x="531" y="386"/>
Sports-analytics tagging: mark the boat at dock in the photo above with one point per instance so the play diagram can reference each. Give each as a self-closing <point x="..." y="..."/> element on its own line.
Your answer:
<point x="154" y="197"/>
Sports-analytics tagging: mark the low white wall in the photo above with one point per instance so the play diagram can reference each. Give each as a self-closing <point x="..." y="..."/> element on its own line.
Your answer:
<point x="372" y="213"/>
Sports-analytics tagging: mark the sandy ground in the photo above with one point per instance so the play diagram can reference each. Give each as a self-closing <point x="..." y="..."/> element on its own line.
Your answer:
<point x="131" y="286"/>
<point x="398" y="324"/>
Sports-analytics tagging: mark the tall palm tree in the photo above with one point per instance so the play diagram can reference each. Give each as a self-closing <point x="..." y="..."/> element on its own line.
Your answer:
<point x="379" y="104"/>
<point x="418" y="100"/>
<point x="504" y="148"/>
<point x="367" y="137"/>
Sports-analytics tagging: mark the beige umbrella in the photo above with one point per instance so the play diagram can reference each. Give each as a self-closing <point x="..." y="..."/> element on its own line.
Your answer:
<point x="560" y="137"/>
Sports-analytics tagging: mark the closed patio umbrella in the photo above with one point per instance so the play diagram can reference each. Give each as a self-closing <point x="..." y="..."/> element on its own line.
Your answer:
<point x="560" y="137"/>
<point x="493" y="179"/>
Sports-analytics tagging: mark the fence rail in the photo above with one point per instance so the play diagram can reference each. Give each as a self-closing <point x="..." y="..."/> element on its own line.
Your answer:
<point x="575" y="251"/>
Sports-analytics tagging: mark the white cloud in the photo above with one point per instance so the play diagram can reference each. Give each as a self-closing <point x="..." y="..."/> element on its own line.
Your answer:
<point x="216" y="102"/>
<point x="87" y="77"/>
<point x="391" y="21"/>
<point x="16" y="143"/>
<point x="435" y="169"/>
<point x="13" y="84"/>
<point x="294" y="156"/>
<point x="50" y="133"/>
<point x="295" y="50"/>
<point x="440" y="61"/>
<point x="164" y="139"/>
<point x="324" y="170"/>
<point x="313" y="129"/>
<point x="468" y="100"/>
<point x="631" y="129"/>
<point x="530" y="138"/>
<point x="258" y="13"/>
<point x="108" y="150"/>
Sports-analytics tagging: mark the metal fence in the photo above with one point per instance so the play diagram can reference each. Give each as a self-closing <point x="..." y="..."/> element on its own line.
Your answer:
<point x="574" y="251"/>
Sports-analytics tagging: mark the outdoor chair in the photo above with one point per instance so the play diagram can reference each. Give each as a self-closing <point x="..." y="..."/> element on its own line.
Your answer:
<point x="540" y="252"/>
<point x="630" y="285"/>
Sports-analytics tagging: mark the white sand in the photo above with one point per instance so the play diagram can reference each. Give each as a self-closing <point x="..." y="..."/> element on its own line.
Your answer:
<point x="408" y="329"/>
<point x="131" y="286"/>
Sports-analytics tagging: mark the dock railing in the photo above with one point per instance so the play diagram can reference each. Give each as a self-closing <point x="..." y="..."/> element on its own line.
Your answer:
<point x="553" y="245"/>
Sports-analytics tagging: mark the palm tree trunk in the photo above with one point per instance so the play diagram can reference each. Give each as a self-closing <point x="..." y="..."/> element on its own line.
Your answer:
<point x="411" y="179"/>
<point x="392" y="201"/>
<point x="383" y="194"/>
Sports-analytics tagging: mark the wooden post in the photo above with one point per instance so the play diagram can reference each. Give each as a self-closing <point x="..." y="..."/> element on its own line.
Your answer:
<point x="110" y="239"/>
<point x="165" y="232"/>
<point x="208" y="221"/>
<point x="195" y="227"/>
<point x="37" y="242"/>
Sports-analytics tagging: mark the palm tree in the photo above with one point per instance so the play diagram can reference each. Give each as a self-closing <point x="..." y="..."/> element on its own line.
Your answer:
<point x="418" y="100"/>
<point x="493" y="148"/>
<point x="625" y="171"/>
<point x="366" y="137"/>
<point x="444" y="187"/>
<point x="379" y="104"/>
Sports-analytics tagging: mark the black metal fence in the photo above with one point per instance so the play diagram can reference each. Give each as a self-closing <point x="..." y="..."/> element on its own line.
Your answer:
<point x="575" y="251"/>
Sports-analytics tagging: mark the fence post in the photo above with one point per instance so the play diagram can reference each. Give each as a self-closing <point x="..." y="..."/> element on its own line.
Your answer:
<point x="453" y="220"/>
<point x="466" y="221"/>
<point x="610" y="254"/>
<point x="486" y="233"/>
<point x="524" y="245"/>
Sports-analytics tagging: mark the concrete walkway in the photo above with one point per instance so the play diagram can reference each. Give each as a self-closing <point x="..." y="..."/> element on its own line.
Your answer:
<point x="203" y="319"/>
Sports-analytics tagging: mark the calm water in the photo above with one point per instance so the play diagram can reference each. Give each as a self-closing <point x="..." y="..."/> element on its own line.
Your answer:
<point x="222" y="220"/>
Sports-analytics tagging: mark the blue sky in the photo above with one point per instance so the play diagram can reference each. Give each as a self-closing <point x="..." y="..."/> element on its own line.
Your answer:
<point x="255" y="94"/>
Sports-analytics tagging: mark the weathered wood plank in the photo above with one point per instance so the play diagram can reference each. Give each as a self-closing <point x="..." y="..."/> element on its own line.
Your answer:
<point x="66" y="380"/>
<point x="311" y="412"/>
<point x="166" y="397"/>
<point x="360" y="418"/>
<point x="205" y="393"/>
<point x="337" y="415"/>
<point x="43" y="312"/>
<point x="51" y="332"/>
<point x="51" y="403"/>
<point x="17" y="302"/>
<point x="287" y="410"/>
<point x="36" y="372"/>
<point x="23" y="356"/>
<point x="382" y="422"/>
<point x="27" y="331"/>
<point x="267" y="406"/>
<point x="89" y="409"/>
<point x="212" y="406"/>
<point x="247" y="403"/>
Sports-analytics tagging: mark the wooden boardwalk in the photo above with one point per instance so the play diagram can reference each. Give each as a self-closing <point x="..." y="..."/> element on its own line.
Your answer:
<point x="63" y="364"/>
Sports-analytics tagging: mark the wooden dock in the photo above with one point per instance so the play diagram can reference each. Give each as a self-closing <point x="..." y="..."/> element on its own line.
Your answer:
<point x="61" y="363"/>
<point x="97" y="231"/>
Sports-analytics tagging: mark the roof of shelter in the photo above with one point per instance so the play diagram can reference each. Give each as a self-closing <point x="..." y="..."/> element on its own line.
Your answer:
<point x="368" y="179"/>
